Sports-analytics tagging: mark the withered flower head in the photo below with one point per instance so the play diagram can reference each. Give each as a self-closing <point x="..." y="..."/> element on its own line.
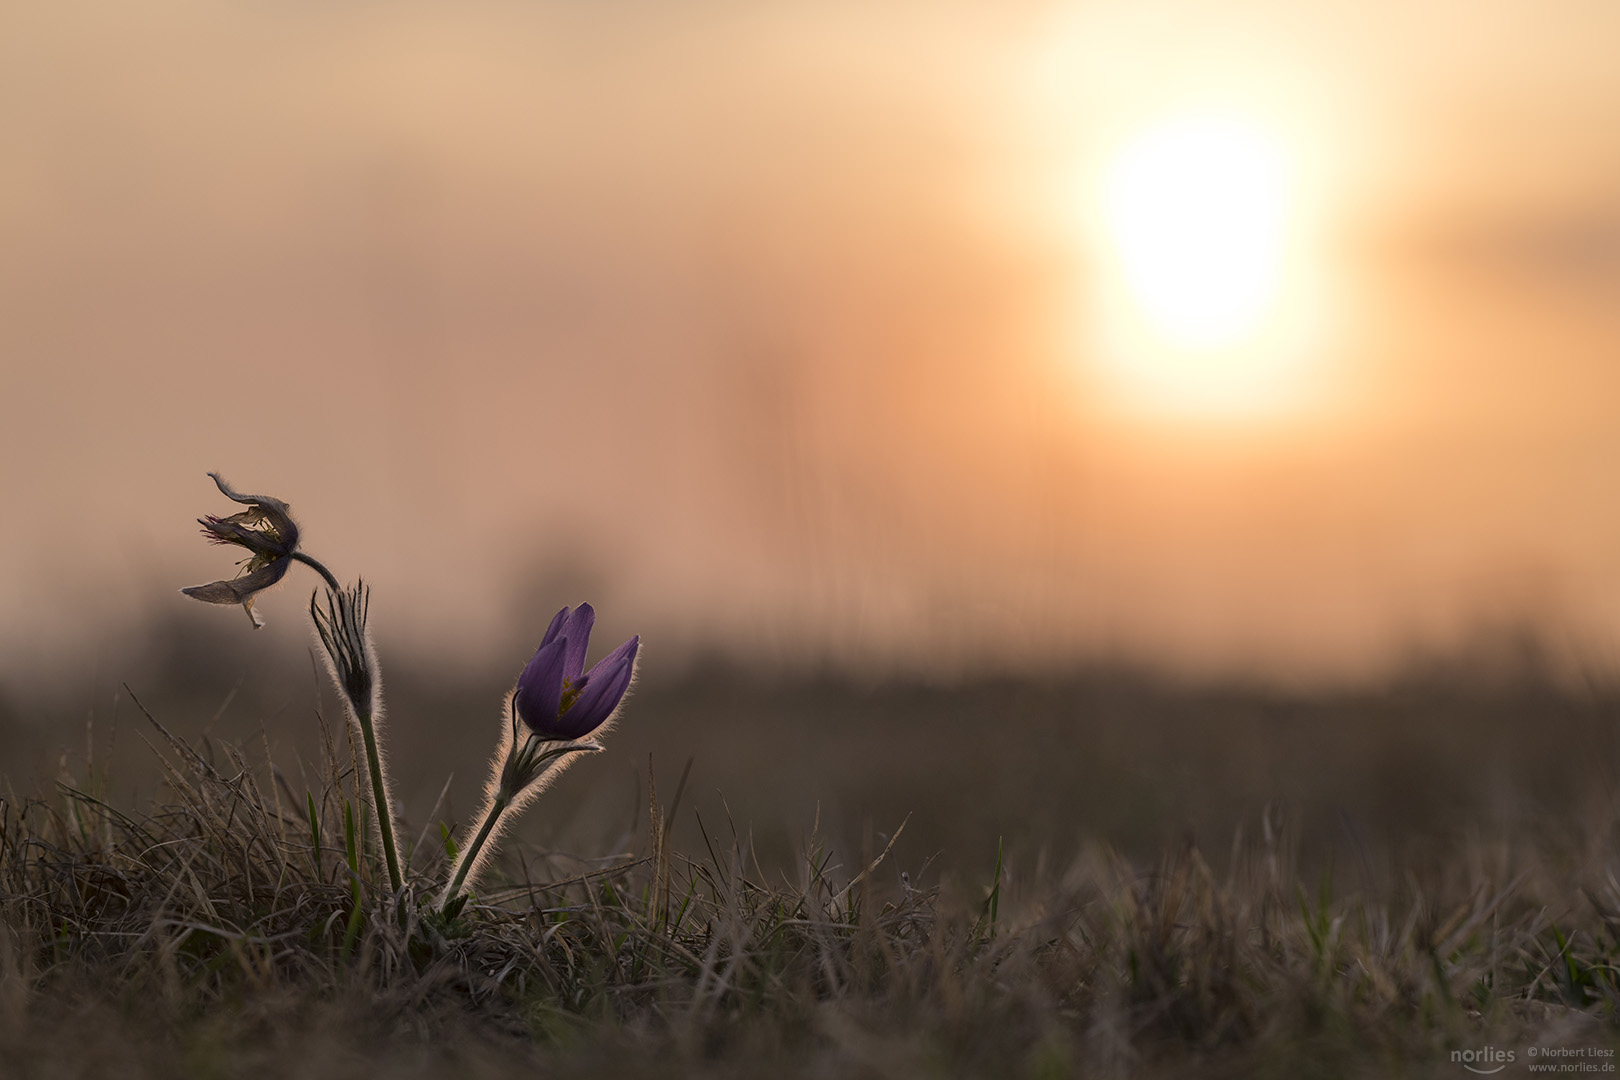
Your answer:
<point x="268" y="534"/>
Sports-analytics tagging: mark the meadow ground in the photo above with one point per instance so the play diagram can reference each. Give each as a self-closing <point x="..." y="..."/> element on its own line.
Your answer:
<point x="1103" y="874"/>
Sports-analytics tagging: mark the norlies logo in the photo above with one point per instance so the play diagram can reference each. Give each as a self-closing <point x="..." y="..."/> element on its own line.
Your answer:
<point x="1484" y="1061"/>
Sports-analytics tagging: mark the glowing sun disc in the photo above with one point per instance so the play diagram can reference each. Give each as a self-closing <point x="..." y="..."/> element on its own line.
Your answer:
<point x="1210" y="297"/>
<point x="1197" y="211"/>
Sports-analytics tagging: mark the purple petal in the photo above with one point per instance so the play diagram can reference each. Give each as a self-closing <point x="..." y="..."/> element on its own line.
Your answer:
<point x="598" y="700"/>
<point x="557" y="621"/>
<point x="539" y="688"/>
<point x="240" y="590"/>
<point x="578" y="632"/>
<point x="604" y="665"/>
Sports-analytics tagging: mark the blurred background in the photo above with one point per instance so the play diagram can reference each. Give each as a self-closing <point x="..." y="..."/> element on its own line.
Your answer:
<point x="1120" y="407"/>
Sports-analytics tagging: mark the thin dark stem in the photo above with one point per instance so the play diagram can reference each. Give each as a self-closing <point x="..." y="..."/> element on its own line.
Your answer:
<point x="379" y="794"/>
<point x="315" y="564"/>
<point x="495" y="810"/>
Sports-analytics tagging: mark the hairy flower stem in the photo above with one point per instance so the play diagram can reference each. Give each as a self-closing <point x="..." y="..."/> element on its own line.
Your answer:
<point x="527" y="763"/>
<point x="496" y="808"/>
<point x="379" y="793"/>
<point x="315" y="564"/>
<point x="342" y="630"/>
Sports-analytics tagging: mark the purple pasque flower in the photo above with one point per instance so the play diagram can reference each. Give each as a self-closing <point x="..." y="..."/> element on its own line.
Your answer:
<point x="266" y="531"/>
<point x="556" y="697"/>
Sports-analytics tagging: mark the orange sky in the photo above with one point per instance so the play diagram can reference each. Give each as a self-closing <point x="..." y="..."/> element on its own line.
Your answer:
<point x="769" y="326"/>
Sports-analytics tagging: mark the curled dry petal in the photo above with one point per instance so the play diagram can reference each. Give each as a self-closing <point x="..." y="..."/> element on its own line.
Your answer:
<point x="265" y="501"/>
<point x="266" y="531"/>
<point x="239" y="590"/>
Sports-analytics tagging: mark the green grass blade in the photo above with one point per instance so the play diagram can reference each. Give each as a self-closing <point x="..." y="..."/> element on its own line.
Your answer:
<point x="314" y="837"/>
<point x="353" y="852"/>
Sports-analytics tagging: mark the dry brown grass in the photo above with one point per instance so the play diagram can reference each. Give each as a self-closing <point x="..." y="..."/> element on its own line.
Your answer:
<point x="219" y="934"/>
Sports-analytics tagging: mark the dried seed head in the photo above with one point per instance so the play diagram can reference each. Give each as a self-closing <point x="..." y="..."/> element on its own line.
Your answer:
<point x="342" y="630"/>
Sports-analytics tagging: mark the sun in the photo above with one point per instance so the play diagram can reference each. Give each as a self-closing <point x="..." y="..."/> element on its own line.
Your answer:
<point x="1196" y="212"/>
<point x="1198" y="216"/>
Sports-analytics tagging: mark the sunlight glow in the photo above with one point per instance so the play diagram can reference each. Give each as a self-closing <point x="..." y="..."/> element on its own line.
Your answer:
<point x="1205" y="306"/>
<point x="1196" y="211"/>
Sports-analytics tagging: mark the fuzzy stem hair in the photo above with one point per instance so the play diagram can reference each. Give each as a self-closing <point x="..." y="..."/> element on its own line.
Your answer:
<point x="351" y="658"/>
<point x="522" y="768"/>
